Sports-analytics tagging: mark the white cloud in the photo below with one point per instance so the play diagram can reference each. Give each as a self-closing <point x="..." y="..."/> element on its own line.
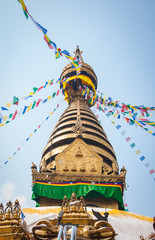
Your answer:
<point x="7" y="193"/>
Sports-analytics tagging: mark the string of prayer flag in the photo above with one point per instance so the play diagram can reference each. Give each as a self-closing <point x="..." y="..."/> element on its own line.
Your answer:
<point x="28" y="138"/>
<point x="131" y="144"/>
<point x="16" y="100"/>
<point x="74" y="61"/>
<point x="120" y="110"/>
<point x="25" y="109"/>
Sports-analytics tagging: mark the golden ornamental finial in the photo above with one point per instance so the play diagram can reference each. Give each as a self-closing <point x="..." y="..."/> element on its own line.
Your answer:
<point x="78" y="54"/>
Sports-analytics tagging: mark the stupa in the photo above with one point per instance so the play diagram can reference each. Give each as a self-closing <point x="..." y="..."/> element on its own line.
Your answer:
<point x="78" y="187"/>
<point x="78" y="156"/>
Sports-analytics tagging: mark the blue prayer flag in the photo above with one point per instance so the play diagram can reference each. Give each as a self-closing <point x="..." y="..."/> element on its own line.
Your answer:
<point x="3" y="108"/>
<point x="118" y="126"/>
<point x="142" y="158"/>
<point x="24" y="109"/>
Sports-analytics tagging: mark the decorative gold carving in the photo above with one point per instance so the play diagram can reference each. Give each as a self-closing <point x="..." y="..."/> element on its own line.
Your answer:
<point x="11" y="226"/>
<point x="123" y="171"/>
<point x="80" y="158"/>
<point x="78" y="128"/>
<point x="74" y="212"/>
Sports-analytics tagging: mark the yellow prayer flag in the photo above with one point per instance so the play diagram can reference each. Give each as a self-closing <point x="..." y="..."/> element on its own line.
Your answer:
<point x="5" y="118"/>
<point x="115" y="114"/>
<point x="49" y="97"/>
<point x="51" y="113"/>
<point x="31" y="135"/>
<point x="48" y="83"/>
<point x="28" y="109"/>
<point x="10" y="158"/>
<point x="137" y="122"/>
<point x="150" y="132"/>
<point x="22" y="3"/>
<point x="104" y="99"/>
<point x="113" y="122"/>
<point x="1" y="124"/>
<point x="31" y="93"/>
<point x="8" y="104"/>
<point x="138" y="152"/>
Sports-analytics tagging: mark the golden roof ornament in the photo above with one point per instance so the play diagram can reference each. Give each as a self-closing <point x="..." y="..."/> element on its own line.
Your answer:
<point x="78" y="54"/>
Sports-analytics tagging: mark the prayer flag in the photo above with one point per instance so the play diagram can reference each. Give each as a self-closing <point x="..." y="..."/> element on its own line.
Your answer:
<point x="128" y="139"/>
<point x="66" y="52"/>
<point x="147" y="164"/>
<point x="123" y="132"/>
<point x="31" y="93"/>
<point x="13" y="117"/>
<point x="108" y="114"/>
<point x="59" y="79"/>
<point x="53" y="95"/>
<point x="118" y="126"/>
<point x="49" y="97"/>
<point x="8" y="104"/>
<point x="22" y="216"/>
<point x="24" y="109"/>
<point x="45" y="100"/>
<point x="142" y="158"/>
<point x="57" y="53"/>
<point x="152" y="171"/>
<point x="133" y="145"/>
<point x="4" y="109"/>
<point x="28" y="109"/>
<point x="15" y="100"/>
<point x="45" y="84"/>
<point x="27" y="139"/>
<point x="34" y="103"/>
<point x="48" y="41"/>
<point x="57" y="93"/>
<point x="40" y="27"/>
<point x="5" y="118"/>
<point x="37" y="104"/>
<point x="39" y="88"/>
<point x="10" y="115"/>
<point x="35" y="89"/>
<point x="138" y="152"/>
<point x="24" y="8"/>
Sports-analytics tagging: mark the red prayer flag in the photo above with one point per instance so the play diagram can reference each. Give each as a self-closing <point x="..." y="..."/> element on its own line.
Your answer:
<point x="39" y="88"/>
<point x="128" y="139"/>
<point x="14" y="115"/>
<point x="152" y="171"/>
<point x="39" y="100"/>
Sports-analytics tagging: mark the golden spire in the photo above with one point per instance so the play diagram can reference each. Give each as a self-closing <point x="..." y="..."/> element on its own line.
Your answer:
<point x="78" y="54"/>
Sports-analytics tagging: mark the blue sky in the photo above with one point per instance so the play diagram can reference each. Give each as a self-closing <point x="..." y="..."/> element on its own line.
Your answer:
<point x="117" y="39"/>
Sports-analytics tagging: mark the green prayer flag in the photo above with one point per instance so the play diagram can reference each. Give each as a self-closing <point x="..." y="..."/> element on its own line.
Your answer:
<point x="51" y="81"/>
<point x="10" y="115"/>
<point x="53" y="95"/>
<point x="15" y="100"/>
<point x="89" y="100"/>
<point x="34" y="103"/>
<point x="35" y="89"/>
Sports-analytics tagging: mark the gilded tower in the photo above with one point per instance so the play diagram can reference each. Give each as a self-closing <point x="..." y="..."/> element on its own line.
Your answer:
<point x="78" y="156"/>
